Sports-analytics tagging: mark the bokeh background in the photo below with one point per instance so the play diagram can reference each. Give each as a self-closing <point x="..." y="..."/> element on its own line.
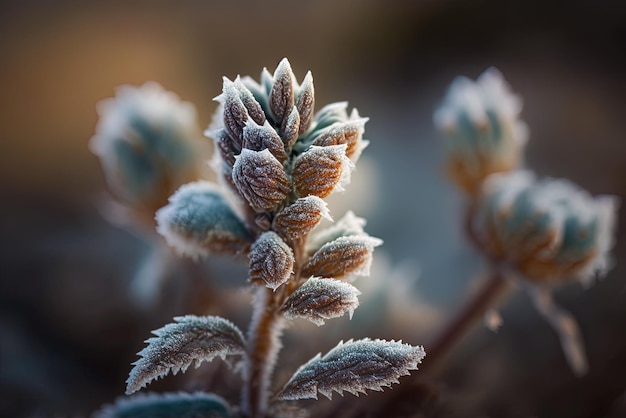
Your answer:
<point x="68" y="327"/>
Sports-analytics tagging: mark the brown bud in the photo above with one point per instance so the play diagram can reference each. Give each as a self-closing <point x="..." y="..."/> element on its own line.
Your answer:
<point x="349" y="133"/>
<point x="252" y="106"/>
<point x="270" y="260"/>
<point x="343" y="257"/>
<point x="319" y="170"/>
<point x="299" y="218"/>
<point x="260" y="179"/>
<point x="260" y="137"/>
<point x="289" y="129"/>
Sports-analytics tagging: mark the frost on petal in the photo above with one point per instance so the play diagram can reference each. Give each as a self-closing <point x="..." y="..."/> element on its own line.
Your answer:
<point x="179" y="344"/>
<point x="343" y="257"/>
<point x="282" y="94"/>
<point x="355" y="367"/>
<point x="260" y="137"/>
<point x="299" y="218"/>
<point x="198" y="220"/>
<point x="305" y="102"/>
<point x="260" y="179"/>
<point x="270" y="260"/>
<point x="320" y="299"/>
<point x="168" y="405"/>
<point x="321" y="170"/>
<point x="349" y="224"/>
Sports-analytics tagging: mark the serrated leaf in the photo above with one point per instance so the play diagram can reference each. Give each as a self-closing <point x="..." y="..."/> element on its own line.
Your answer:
<point x="321" y="170"/>
<point x="260" y="179"/>
<point x="168" y="405"/>
<point x="319" y="299"/>
<point x="354" y="366"/>
<point x="345" y="256"/>
<point x="299" y="218"/>
<point x="282" y="94"/>
<point x="198" y="220"/>
<point x="271" y="260"/>
<point x="177" y="345"/>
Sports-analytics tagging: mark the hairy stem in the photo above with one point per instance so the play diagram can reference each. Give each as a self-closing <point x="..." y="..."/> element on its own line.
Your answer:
<point x="263" y="346"/>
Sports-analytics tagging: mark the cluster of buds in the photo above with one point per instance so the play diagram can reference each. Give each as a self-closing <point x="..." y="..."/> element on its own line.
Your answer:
<point x="146" y="140"/>
<point x="547" y="230"/>
<point x="482" y="130"/>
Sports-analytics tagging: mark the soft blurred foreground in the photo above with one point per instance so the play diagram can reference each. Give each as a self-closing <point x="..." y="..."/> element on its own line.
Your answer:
<point x="69" y="326"/>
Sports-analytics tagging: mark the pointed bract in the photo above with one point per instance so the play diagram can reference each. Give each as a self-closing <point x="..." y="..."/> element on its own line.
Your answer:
<point x="260" y="137"/>
<point x="290" y="127"/>
<point x="270" y="260"/>
<point x="305" y="102"/>
<point x="179" y="344"/>
<point x="343" y="257"/>
<point x="319" y="299"/>
<point x="282" y="92"/>
<point x="321" y="170"/>
<point x="354" y="366"/>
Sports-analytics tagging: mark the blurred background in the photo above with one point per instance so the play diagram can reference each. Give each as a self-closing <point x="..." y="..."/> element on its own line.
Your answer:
<point x="68" y="327"/>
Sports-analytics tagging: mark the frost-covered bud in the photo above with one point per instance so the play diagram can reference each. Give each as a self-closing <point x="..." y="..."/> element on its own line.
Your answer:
<point x="548" y="230"/>
<point x="260" y="137"/>
<point x="343" y="257"/>
<point x="282" y="93"/>
<point x="198" y="221"/>
<point x="260" y="179"/>
<point x="145" y="141"/>
<point x="482" y="130"/>
<point x="299" y="218"/>
<point x="348" y="225"/>
<point x="270" y="260"/>
<point x="290" y="128"/>
<point x="321" y="170"/>
<point x="333" y="126"/>
<point x="305" y="102"/>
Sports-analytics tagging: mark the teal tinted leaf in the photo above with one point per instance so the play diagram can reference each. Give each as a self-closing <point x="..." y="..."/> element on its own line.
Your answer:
<point x="168" y="405"/>
<point x="179" y="344"/>
<point x="354" y="366"/>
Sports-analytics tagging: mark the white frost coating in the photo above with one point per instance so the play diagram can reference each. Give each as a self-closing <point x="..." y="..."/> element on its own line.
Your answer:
<point x="355" y="367"/>
<point x="334" y="153"/>
<point x="271" y="260"/>
<point x="319" y="299"/>
<point x="199" y="220"/>
<point x="349" y="224"/>
<point x="301" y="216"/>
<point x="343" y="257"/>
<point x="179" y="344"/>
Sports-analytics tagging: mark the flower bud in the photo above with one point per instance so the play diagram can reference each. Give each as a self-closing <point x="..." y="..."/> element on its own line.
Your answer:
<point x="299" y="218"/>
<point x="320" y="170"/>
<point x="549" y="230"/>
<point x="260" y="179"/>
<point x="270" y="260"/>
<point x="482" y="130"/>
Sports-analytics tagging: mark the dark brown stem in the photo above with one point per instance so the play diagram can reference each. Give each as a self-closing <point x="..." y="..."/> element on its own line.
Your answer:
<point x="487" y="296"/>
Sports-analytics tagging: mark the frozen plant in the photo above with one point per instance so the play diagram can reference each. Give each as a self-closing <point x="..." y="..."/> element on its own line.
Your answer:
<point x="537" y="233"/>
<point x="277" y="160"/>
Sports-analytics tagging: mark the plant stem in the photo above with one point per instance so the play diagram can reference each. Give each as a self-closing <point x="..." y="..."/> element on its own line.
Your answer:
<point x="487" y="296"/>
<point x="263" y="347"/>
